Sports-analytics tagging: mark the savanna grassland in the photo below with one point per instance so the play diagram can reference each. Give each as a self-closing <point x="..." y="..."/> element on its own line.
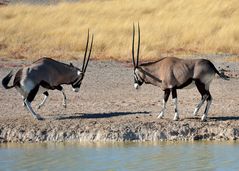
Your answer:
<point x="167" y="27"/>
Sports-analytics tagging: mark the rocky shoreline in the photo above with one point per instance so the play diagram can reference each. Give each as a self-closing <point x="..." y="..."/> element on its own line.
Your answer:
<point x="97" y="131"/>
<point x="108" y="109"/>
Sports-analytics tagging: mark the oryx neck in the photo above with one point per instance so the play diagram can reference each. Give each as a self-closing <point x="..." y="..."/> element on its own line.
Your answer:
<point x="147" y="73"/>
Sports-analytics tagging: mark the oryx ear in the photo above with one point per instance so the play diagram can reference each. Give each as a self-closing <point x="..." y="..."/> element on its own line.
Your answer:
<point x="71" y="65"/>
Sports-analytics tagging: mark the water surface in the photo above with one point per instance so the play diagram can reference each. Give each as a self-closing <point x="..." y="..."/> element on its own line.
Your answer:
<point x="120" y="156"/>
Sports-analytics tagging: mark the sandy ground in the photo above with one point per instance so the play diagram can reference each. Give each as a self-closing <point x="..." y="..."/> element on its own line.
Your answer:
<point x="108" y="108"/>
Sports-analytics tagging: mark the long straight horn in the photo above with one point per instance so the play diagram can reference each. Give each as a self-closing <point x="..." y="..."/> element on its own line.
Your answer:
<point x="86" y="48"/>
<point x="133" y="46"/>
<point x="137" y="62"/>
<point x="92" y="39"/>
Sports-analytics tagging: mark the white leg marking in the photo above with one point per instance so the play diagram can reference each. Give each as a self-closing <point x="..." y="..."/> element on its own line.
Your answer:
<point x="199" y="105"/>
<point x="204" y="116"/>
<point x="43" y="102"/>
<point x="29" y="107"/>
<point x="64" y="98"/>
<point x="161" y="115"/>
<point x="26" y="87"/>
<point x="176" y="115"/>
<point x="23" y="104"/>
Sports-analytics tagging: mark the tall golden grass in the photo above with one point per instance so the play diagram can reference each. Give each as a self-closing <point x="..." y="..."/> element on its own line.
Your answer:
<point x="167" y="26"/>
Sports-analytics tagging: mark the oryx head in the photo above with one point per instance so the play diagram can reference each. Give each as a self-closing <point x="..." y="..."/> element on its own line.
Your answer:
<point x="80" y="73"/>
<point x="138" y="75"/>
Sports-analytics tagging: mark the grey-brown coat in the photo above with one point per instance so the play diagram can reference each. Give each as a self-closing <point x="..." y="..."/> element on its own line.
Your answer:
<point x="47" y="73"/>
<point x="173" y="73"/>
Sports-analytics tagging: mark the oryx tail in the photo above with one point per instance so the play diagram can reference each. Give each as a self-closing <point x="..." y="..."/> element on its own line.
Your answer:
<point x="6" y="80"/>
<point x="221" y="74"/>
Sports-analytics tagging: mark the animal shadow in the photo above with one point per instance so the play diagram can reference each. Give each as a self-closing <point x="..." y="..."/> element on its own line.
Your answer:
<point x="216" y="118"/>
<point x="97" y="115"/>
<point x="224" y="118"/>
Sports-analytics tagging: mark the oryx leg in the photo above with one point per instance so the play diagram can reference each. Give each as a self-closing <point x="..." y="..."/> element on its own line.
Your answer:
<point x="60" y="88"/>
<point x="209" y="102"/>
<point x="205" y="96"/>
<point x="28" y="101"/>
<point x="46" y="94"/>
<point x="199" y="105"/>
<point x="165" y="99"/>
<point x="175" y="101"/>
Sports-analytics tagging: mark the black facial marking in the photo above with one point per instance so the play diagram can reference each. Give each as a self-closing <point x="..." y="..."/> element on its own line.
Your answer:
<point x="138" y="80"/>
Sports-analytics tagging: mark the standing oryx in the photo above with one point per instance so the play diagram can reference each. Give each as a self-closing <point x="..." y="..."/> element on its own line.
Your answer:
<point x="172" y="73"/>
<point x="48" y="74"/>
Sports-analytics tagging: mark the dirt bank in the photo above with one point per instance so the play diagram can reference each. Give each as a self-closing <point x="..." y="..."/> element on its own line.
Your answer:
<point x="108" y="108"/>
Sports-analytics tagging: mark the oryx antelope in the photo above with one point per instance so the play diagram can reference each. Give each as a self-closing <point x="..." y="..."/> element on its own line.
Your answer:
<point x="171" y="73"/>
<point x="47" y="73"/>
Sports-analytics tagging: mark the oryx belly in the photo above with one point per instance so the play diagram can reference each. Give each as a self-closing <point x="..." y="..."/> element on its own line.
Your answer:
<point x="42" y="90"/>
<point x="191" y="85"/>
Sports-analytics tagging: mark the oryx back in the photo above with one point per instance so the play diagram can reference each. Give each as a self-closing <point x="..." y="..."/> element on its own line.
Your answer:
<point x="54" y="73"/>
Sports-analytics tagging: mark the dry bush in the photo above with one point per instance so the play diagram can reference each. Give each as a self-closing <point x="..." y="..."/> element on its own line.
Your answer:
<point x="167" y="27"/>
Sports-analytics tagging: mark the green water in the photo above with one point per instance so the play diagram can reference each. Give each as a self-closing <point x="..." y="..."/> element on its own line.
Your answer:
<point x="120" y="156"/>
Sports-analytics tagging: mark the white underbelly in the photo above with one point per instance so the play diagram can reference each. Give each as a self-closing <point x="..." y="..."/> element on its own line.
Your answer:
<point x="190" y="85"/>
<point x="42" y="90"/>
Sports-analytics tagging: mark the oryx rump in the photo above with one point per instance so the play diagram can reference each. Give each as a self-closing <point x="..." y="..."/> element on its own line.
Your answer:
<point x="172" y="73"/>
<point x="47" y="73"/>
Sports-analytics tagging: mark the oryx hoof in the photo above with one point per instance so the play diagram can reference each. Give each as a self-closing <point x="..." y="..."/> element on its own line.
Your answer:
<point x="195" y="113"/>
<point x="161" y="116"/>
<point x="39" y="118"/>
<point x="204" y="118"/>
<point x="176" y="118"/>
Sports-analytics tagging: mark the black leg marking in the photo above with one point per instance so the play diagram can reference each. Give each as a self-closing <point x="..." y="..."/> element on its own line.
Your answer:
<point x="175" y="101"/>
<point x="205" y="96"/>
<point x="174" y="93"/>
<point x="201" y="87"/>
<point x="32" y="94"/>
<point x="166" y="95"/>
<point x="46" y="93"/>
<point x="165" y="99"/>
<point x="174" y="96"/>
<point x="60" y="88"/>
<point x="209" y="99"/>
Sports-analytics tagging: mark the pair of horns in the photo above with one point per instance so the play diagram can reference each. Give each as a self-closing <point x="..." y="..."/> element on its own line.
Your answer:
<point x="137" y="60"/>
<point x="85" y="61"/>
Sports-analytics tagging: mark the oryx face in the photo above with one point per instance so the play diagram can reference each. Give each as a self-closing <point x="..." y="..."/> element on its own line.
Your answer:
<point x="80" y="73"/>
<point x="76" y="85"/>
<point x="138" y="78"/>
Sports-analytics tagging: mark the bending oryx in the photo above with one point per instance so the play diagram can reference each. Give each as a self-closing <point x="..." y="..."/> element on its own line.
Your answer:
<point x="172" y="73"/>
<point x="48" y="74"/>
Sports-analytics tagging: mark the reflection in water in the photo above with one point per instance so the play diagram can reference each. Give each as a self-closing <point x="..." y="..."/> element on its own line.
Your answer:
<point x="120" y="156"/>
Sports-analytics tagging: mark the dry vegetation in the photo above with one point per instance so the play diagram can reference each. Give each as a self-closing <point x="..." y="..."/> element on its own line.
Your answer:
<point x="167" y="26"/>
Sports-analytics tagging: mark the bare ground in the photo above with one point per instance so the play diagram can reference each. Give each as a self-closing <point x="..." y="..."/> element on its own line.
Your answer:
<point x="108" y="108"/>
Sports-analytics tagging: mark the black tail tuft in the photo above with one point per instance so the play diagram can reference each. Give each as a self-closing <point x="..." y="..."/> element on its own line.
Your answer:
<point x="221" y="73"/>
<point x="223" y="76"/>
<point x="6" y="80"/>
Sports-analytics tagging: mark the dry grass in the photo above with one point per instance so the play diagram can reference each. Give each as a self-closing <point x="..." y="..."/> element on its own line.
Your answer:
<point x="167" y="26"/>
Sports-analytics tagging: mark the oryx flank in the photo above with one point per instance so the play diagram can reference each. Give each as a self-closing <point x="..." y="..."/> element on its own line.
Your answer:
<point x="171" y="73"/>
<point x="47" y="73"/>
